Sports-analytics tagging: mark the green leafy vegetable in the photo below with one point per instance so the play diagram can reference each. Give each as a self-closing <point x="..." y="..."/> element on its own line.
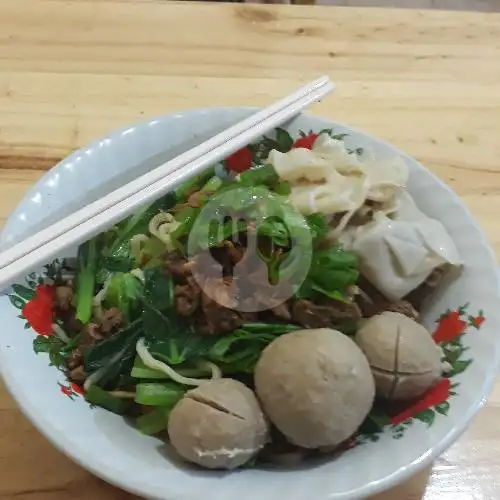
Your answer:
<point x="331" y="271"/>
<point x="318" y="226"/>
<point x="159" y="394"/>
<point x="99" y="397"/>
<point x="114" y="264"/>
<point x="125" y="292"/>
<point x="136" y="224"/>
<point x="177" y="346"/>
<point x="241" y="349"/>
<point x="159" y="318"/>
<point x="170" y="337"/>
<point x="261" y="175"/>
<point x="158" y="288"/>
<point x="100" y="354"/>
<point x="114" y="355"/>
<point x="275" y="229"/>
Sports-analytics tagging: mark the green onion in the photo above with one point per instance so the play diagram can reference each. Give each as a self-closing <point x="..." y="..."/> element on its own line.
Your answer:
<point x="99" y="397"/>
<point x="158" y="394"/>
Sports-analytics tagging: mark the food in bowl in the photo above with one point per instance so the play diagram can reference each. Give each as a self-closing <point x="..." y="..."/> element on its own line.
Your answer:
<point x="218" y="425"/>
<point x="315" y="386"/>
<point x="155" y="306"/>
<point x="402" y="355"/>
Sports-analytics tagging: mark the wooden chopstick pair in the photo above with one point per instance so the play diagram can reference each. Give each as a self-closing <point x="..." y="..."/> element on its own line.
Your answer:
<point x="85" y="223"/>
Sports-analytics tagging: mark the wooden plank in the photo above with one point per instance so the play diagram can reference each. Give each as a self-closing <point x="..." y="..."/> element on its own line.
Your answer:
<point x="71" y="70"/>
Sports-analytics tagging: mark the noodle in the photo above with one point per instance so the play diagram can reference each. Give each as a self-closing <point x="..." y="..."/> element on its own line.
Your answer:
<point x="155" y="364"/>
<point x="98" y="299"/>
<point x="136" y="243"/>
<point x="60" y="333"/>
<point x="95" y="377"/>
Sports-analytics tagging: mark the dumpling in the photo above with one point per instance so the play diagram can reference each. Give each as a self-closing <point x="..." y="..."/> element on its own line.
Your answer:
<point x="397" y="255"/>
<point x="299" y="165"/>
<point x="329" y="179"/>
<point x="335" y="152"/>
<point x="338" y="194"/>
<point x="435" y="234"/>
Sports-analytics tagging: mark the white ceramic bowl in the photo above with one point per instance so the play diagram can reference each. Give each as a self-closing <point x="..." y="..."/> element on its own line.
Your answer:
<point x="110" y="448"/>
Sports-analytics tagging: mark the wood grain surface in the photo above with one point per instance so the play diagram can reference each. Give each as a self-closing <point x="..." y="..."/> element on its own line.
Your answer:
<point x="426" y="81"/>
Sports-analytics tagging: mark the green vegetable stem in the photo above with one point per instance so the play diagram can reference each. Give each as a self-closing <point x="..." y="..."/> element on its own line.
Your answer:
<point x="125" y="291"/>
<point x="114" y="356"/>
<point x="158" y="393"/>
<point x="154" y="421"/>
<point x="99" y="397"/>
<point x="85" y="281"/>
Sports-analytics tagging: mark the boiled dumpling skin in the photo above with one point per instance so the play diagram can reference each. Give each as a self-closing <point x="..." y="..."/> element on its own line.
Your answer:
<point x="329" y="179"/>
<point x="397" y="254"/>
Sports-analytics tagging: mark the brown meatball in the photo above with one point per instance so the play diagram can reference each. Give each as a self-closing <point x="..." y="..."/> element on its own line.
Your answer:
<point x="218" y="425"/>
<point x="315" y="386"/>
<point x="404" y="359"/>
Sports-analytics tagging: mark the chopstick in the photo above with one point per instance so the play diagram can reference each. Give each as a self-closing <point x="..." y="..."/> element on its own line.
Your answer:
<point x="85" y="223"/>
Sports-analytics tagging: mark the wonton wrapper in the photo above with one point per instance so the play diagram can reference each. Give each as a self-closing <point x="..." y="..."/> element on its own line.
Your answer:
<point x="397" y="255"/>
<point x="330" y="180"/>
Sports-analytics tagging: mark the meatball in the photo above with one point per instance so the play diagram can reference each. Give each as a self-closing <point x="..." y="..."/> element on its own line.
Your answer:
<point x="315" y="386"/>
<point x="404" y="359"/>
<point x="218" y="425"/>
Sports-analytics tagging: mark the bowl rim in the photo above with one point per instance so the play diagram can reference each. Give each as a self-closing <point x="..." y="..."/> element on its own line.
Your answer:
<point x="126" y="482"/>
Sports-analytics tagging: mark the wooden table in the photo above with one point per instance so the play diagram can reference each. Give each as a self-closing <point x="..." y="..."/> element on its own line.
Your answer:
<point x="425" y="81"/>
